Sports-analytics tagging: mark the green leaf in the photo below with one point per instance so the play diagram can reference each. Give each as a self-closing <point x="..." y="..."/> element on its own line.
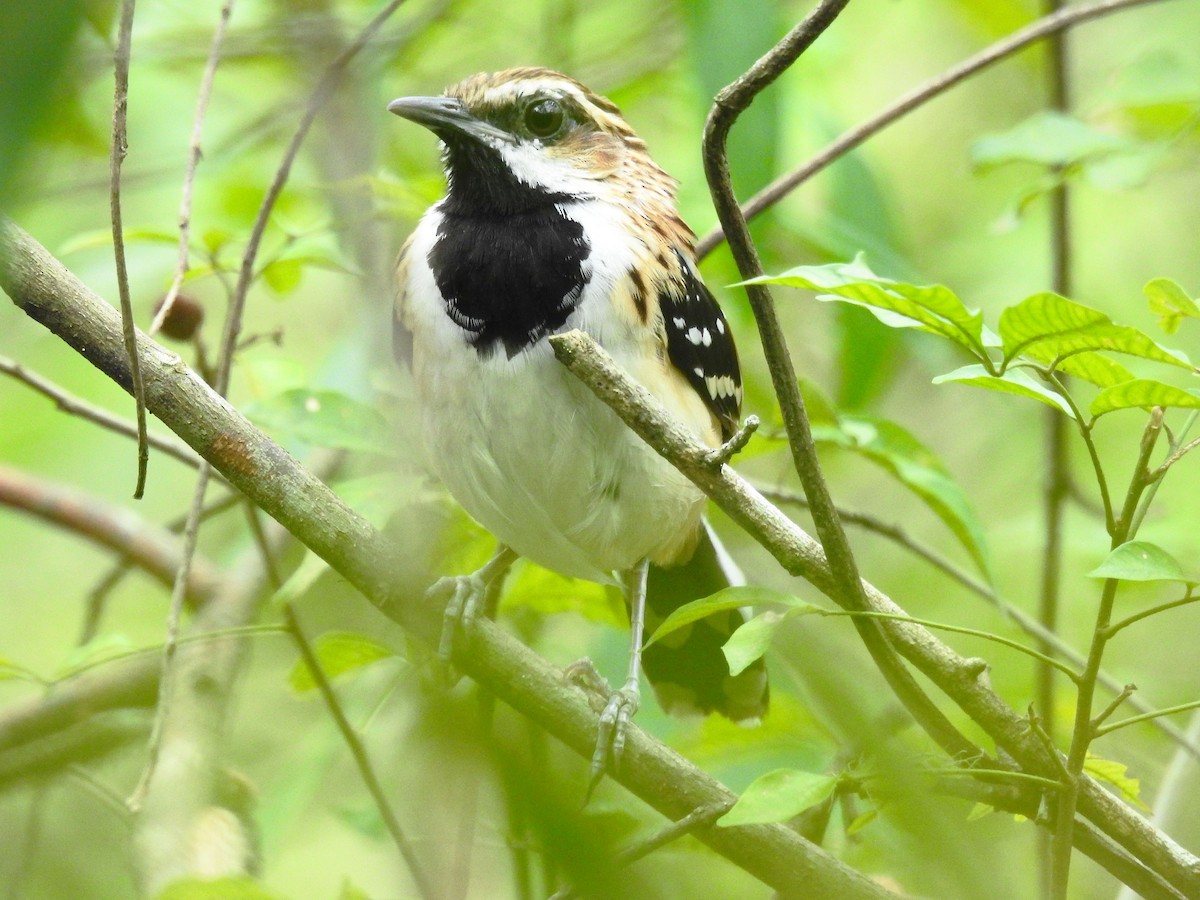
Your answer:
<point x="729" y="598"/>
<point x="917" y="468"/>
<point x="1140" y="561"/>
<point x="1095" y="368"/>
<point x="1049" y="328"/>
<point x="283" y="275"/>
<point x="779" y="796"/>
<point x="979" y="811"/>
<point x="751" y="639"/>
<point x="545" y="592"/>
<point x="365" y="819"/>
<point x="1012" y="381"/>
<point x="1143" y="393"/>
<point x="338" y="652"/>
<point x="1049" y="139"/>
<point x="1114" y="773"/>
<point x="325" y="419"/>
<point x="931" y="308"/>
<point x="1170" y="303"/>
<point x="861" y="821"/>
<point x="216" y="889"/>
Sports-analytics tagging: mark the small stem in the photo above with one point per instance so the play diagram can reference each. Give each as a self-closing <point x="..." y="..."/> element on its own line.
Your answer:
<point x="959" y="629"/>
<point x="189" y="177"/>
<point x="1115" y="627"/>
<point x="1112" y="707"/>
<point x="117" y="156"/>
<point x="1083" y="731"/>
<point x="914" y="99"/>
<point x="1146" y="717"/>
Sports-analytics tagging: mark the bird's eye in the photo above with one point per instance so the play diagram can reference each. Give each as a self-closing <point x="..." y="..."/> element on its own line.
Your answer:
<point x="543" y="117"/>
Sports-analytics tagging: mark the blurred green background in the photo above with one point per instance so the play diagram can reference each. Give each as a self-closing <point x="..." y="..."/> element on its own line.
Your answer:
<point x="911" y="198"/>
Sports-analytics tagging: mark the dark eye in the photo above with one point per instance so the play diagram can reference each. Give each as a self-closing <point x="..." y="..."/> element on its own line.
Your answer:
<point x="543" y="117"/>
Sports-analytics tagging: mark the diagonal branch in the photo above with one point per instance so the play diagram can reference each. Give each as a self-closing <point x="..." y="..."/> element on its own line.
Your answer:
<point x="964" y="680"/>
<point x="50" y="294"/>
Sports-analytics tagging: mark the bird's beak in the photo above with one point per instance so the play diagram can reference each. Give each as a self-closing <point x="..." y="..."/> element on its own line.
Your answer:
<point x="447" y="116"/>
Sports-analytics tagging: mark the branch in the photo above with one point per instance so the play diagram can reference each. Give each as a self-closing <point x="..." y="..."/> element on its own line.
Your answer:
<point x="962" y="679"/>
<point x="189" y="177"/>
<point x="116" y="156"/>
<point x="147" y="546"/>
<point x="847" y="590"/>
<point x="48" y="293"/>
<point x="917" y="97"/>
<point x="73" y="405"/>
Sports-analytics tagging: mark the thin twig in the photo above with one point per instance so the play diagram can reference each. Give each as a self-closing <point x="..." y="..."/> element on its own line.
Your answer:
<point x="781" y="187"/>
<point x="233" y="319"/>
<point x="99" y="594"/>
<point x="189" y="177"/>
<point x="1146" y="717"/>
<point x="117" y="153"/>
<point x="727" y="107"/>
<point x="361" y="760"/>
<point x="73" y="405"/>
<point x="703" y="817"/>
<point x="191" y="536"/>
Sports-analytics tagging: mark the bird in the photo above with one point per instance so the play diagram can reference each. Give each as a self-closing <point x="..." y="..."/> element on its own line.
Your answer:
<point x="556" y="217"/>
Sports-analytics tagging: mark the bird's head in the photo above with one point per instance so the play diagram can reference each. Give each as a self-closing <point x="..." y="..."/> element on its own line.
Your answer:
<point x="521" y="138"/>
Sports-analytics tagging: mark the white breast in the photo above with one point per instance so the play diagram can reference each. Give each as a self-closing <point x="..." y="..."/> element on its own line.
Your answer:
<point x="530" y="453"/>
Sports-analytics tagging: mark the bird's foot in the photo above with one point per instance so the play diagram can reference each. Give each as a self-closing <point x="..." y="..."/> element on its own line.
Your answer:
<point x="464" y="597"/>
<point x="616" y="713"/>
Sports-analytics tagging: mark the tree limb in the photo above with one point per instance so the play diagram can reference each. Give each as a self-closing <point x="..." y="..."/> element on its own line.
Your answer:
<point x="265" y="473"/>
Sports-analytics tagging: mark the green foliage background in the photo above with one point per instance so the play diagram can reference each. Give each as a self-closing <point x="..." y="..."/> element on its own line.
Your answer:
<point x="931" y="200"/>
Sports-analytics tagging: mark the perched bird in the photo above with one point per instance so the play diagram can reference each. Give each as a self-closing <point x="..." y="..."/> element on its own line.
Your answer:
<point x="555" y="217"/>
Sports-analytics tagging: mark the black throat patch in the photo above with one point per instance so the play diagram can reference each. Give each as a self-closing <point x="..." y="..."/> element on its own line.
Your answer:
<point x="510" y="280"/>
<point x="508" y="262"/>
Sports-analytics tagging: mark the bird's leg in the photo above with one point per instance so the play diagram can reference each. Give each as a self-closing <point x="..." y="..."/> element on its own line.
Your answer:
<point x="468" y="596"/>
<point x="623" y="703"/>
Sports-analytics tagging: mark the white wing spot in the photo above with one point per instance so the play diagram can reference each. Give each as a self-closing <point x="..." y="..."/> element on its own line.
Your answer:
<point x="712" y="383"/>
<point x="707" y="338"/>
<point x="699" y="372"/>
<point x="680" y="323"/>
<point x="694" y="336"/>
<point x="721" y="325"/>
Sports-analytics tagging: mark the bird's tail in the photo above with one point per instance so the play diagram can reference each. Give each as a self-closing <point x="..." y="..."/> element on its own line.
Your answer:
<point x="687" y="669"/>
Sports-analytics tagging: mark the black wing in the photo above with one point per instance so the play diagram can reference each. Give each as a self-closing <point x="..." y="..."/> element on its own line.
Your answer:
<point x="701" y="346"/>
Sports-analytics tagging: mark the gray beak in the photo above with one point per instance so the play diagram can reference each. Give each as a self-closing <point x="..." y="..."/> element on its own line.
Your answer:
<point x="447" y="116"/>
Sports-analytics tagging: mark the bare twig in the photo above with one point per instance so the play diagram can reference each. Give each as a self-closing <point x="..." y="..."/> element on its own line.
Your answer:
<point x="703" y="817"/>
<point x="781" y="187"/>
<point x="189" y="177"/>
<point x="117" y="156"/>
<point x="191" y="536"/>
<point x="69" y="403"/>
<point x="1015" y="614"/>
<point x="233" y="320"/>
<point x="728" y="105"/>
